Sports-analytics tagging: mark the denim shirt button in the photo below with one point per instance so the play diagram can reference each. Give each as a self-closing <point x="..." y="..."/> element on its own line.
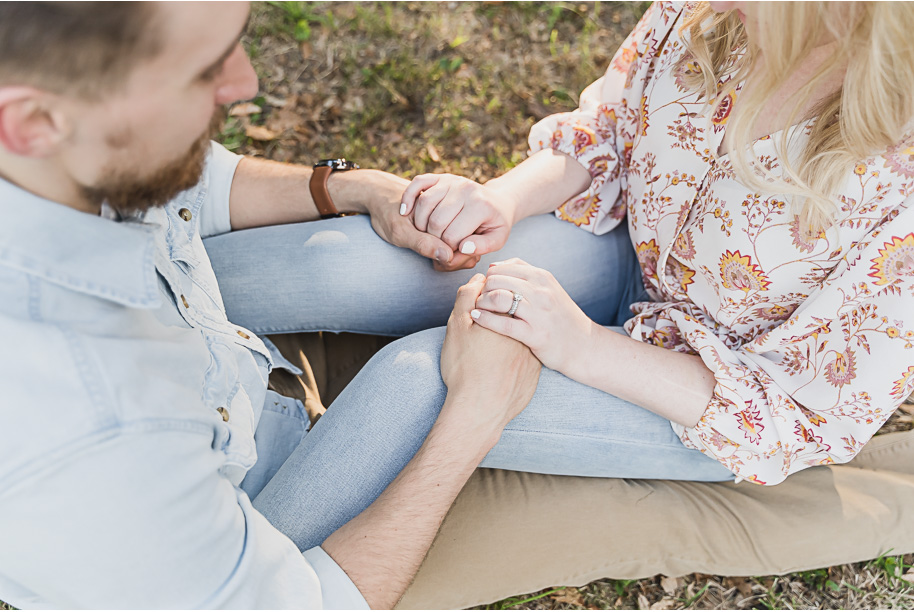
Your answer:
<point x="224" y="413"/>
<point x="185" y="214"/>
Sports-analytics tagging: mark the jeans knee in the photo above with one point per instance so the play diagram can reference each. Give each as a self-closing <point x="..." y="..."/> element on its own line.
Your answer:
<point x="405" y="375"/>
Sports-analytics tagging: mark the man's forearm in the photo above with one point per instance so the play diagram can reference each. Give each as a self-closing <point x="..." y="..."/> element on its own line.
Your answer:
<point x="381" y="549"/>
<point x="272" y="193"/>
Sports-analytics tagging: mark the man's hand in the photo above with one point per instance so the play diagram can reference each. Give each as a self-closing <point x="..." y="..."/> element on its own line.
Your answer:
<point x="494" y="375"/>
<point x="490" y="379"/>
<point x="472" y="219"/>
<point x="385" y="193"/>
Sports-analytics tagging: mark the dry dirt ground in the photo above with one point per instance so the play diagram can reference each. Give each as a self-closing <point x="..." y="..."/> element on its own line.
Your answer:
<point x="446" y="86"/>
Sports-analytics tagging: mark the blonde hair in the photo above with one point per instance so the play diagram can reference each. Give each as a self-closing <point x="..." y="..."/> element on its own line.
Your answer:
<point x="866" y="116"/>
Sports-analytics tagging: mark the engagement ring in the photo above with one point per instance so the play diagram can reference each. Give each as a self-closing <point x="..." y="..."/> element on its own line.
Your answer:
<point x="517" y="298"/>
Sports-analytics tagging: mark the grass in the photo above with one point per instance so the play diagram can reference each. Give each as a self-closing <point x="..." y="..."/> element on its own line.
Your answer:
<point x="420" y="87"/>
<point x="855" y="586"/>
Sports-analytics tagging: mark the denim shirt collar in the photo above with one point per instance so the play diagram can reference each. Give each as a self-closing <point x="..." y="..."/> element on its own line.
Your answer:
<point x="85" y="253"/>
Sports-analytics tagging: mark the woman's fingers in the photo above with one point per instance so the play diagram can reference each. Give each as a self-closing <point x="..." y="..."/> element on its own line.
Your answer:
<point x="460" y="231"/>
<point x="500" y="301"/>
<point x="426" y="203"/>
<point x="500" y="324"/>
<point x="416" y="187"/>
<point x="515" y="267"/>
<point x="507" y="283"/>
<point x="442" y="217"/>
<point x="480" y="244"/>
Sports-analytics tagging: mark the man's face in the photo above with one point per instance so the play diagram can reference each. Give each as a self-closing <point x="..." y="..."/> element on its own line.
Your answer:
<point x="141" y="146"/>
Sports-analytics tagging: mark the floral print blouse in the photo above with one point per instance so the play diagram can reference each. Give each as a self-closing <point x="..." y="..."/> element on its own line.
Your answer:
<point x="810" y="337"/>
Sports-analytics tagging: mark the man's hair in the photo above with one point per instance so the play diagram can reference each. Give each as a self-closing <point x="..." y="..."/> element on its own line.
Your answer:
<point x="86" y="48"/>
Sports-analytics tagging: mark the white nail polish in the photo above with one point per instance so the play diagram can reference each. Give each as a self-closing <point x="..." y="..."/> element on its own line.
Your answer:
<point x="468" y="248"/>
<point x="402" y="208"/>
<point x="474" y="313"/>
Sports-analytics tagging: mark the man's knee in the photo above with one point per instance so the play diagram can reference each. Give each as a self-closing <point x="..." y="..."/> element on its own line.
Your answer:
<point x="404" y="378"/>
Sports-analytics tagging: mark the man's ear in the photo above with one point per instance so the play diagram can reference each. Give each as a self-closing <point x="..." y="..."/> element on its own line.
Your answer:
<point x="29" y="124"/>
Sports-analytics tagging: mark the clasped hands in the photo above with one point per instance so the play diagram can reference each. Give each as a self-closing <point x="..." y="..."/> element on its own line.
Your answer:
<point x="454" y="221"/>
<point x="448" y="219"/>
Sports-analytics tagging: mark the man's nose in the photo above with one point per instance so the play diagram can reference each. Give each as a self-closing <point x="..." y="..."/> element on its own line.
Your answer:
<point x="239" y="81"/>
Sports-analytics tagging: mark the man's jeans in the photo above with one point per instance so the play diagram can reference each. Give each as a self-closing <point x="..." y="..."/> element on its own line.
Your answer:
<point x="338" y="275"/>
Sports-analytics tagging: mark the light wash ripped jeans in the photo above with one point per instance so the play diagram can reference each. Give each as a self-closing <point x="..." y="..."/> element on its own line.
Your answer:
<point x="338" y="275"/>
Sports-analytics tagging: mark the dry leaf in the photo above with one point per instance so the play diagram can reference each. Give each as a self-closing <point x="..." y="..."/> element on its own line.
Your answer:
<point x="742" y="584"/>
<point x="396" y="95"/>
<point x="643" y="603"/>
<point x="257" y="132"/>
<point x="569" y="596"/>
<point x="283" y="119"/>
<point x="670" y="585"/>
<point x="433" y="153"/>
<point x="667" y="603"/>
<point x="244" y="109"/>
<point x="354" y="104"/>
<point x="275" y="101"/>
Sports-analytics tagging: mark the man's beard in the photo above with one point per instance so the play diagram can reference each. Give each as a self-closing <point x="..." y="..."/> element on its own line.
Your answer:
<point x="129" y="195"/>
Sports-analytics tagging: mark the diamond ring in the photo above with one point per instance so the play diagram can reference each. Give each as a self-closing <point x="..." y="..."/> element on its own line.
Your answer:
<point x="517" y="298"/>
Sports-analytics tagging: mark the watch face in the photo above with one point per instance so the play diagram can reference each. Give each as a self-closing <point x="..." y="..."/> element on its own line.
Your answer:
<point x="337" y="164"/>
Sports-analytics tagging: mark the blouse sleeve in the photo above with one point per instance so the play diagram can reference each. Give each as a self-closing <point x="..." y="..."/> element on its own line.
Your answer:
<point x="813" y="390"/>
<point x="600" y="133"/>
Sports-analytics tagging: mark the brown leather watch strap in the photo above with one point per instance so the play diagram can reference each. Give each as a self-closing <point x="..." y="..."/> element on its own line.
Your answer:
<point x="320" y="194"/>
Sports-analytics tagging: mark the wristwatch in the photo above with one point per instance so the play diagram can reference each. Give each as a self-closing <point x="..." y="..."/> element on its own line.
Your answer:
<point x="318" y="185"/>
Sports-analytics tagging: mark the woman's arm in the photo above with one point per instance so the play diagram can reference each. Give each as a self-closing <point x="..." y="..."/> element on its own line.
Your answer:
<point x="541" y="183"/>
<point x="677" y="386"/>
<point x="674" y="385"/>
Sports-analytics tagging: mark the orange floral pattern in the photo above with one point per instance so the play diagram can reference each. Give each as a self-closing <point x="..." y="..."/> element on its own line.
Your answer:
<point x="648" y="253"/>
<point x="895" y="263"/>
<point x="738" y="272"/>
<point x="810" y="336"/>
<point x="904" y="385"/>
<point x="580" y="211"/>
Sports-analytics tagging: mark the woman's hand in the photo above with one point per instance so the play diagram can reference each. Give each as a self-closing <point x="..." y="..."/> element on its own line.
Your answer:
<point x="472" y="219"/>
<point x="384" y="191"/>
<point x="493" y="377"/>
<point x="546" y="319"/>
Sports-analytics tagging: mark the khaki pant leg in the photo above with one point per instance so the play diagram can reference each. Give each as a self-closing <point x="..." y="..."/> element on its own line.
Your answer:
<point x="328" y="363"/>
<point x="510" y="533"/>
<point x="307" y="353"/>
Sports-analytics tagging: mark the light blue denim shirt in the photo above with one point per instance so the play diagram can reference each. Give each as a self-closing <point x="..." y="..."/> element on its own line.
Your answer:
<point x="128" y="404"/>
